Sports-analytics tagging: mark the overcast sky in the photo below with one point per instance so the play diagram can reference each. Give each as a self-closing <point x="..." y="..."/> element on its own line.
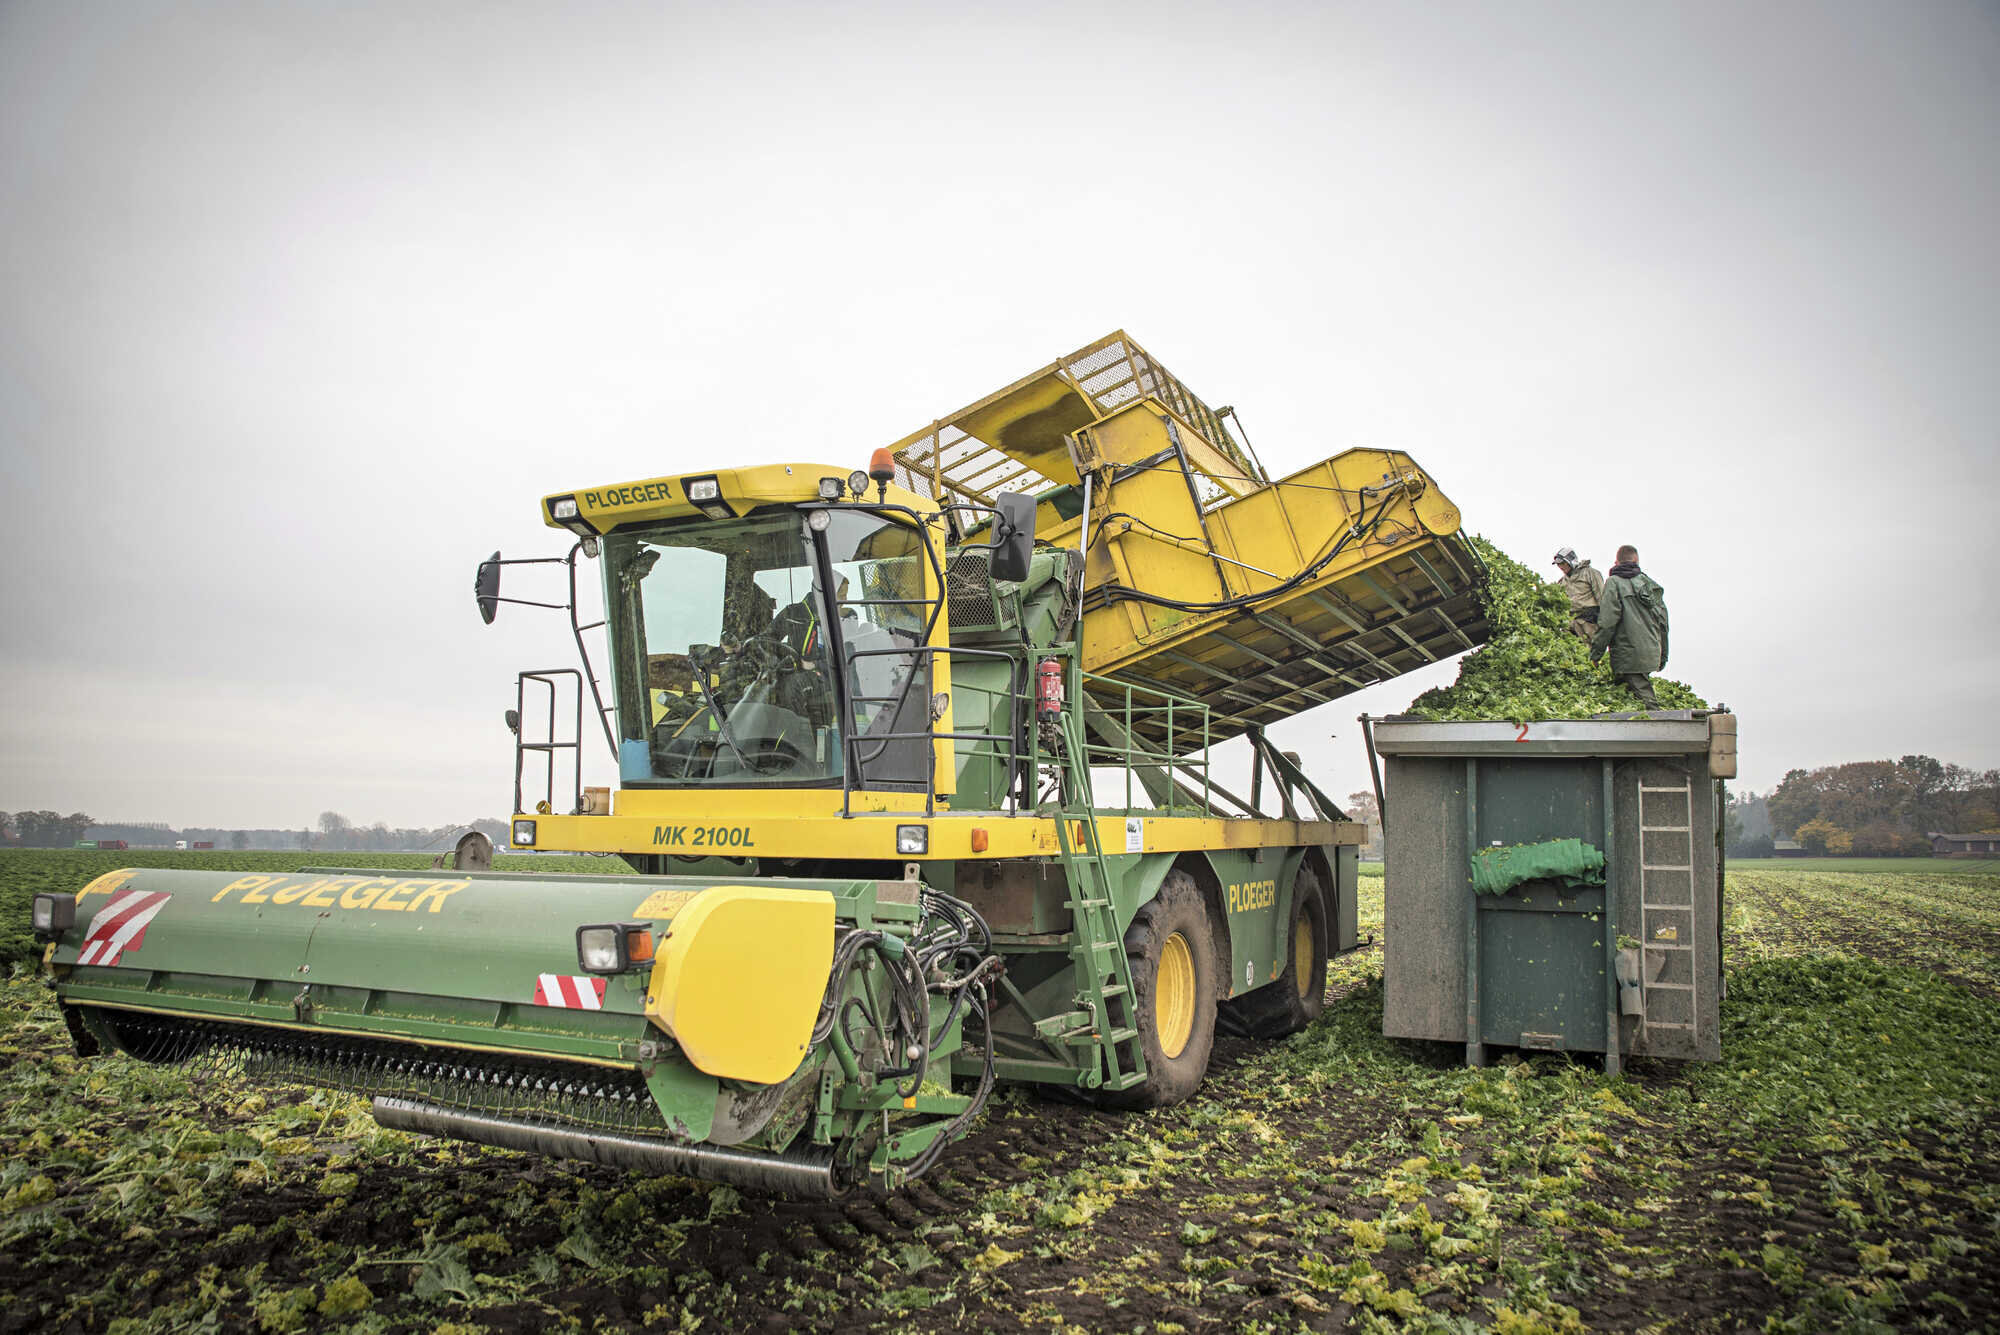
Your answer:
<point x="302" y="307"/>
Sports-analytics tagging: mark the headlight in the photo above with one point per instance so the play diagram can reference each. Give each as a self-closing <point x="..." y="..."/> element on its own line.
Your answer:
<point x="613" y="947"/>
<point x="564" y="510"/>
<point x="524" y="834"/>
<point x="706" y="493"/>
<point x="54" y="915"/>
<point x="913" y="840"/>
<point x="601" y="949"/>
<point x="819" y="520"/>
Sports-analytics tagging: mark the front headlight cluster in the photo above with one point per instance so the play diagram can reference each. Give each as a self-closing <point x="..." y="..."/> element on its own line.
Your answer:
<point x="613" y="947"/>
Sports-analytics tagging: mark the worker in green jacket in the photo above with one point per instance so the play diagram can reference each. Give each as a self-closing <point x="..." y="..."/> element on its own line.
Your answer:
<point x="1585" y="589"/>
<point x="1632" y="624"/>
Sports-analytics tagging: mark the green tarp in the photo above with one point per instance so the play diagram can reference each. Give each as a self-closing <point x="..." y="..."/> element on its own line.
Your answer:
<point x="1574" y="863"/>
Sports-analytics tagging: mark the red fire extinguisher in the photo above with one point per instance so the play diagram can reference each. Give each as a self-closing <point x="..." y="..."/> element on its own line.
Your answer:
<point x="1049" y="687"/>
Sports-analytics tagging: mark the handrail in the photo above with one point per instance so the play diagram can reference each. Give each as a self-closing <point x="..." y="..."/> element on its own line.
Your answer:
<point x="1133" y="715"/>
<point x="547" y="677"/>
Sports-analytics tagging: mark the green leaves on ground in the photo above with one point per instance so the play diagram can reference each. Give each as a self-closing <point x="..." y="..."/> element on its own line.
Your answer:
<point x="1832" y="1172"/>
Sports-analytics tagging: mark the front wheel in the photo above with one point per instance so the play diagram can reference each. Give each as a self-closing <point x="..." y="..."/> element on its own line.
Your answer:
<point x="1171" y="948"/>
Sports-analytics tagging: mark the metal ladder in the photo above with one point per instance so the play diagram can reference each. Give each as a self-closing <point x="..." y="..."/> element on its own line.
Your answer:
<point x="1667" y="924"/>
<point x="1097" y="949"/>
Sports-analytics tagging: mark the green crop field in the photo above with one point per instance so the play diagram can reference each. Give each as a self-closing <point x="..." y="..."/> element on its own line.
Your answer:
<point x="1839" y="1170"/>
<point x="1901" y="866"/>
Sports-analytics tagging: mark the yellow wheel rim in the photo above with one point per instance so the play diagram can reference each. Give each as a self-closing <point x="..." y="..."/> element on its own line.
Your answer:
<point x="1302" y="956"/>
<point x="1173" y="995"/>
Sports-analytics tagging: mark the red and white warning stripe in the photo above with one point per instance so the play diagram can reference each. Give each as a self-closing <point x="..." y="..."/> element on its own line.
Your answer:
<point x="575" y="991"/>
<point x="120" y="926"/>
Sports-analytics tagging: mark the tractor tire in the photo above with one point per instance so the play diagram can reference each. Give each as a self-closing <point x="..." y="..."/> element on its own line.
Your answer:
<point x="1171" y="947"/>
<point x="1298" y="996"/>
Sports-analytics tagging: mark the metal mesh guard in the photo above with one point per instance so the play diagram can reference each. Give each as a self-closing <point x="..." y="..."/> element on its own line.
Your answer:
<point x="970" y="592"/>
<point x="1109" y="373"/>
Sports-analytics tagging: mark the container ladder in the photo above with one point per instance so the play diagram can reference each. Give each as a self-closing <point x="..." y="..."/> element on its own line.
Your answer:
<point x="1097" y="948"/>
<point x="1666" y="910"/>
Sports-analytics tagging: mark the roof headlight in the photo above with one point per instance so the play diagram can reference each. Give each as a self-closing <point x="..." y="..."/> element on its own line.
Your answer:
<point x="829" y="488"/>
<point x="706" y="493"/>
<point x="819" y="520"/>
<point x="565" y="511"/>
<point x="857" y="481"/>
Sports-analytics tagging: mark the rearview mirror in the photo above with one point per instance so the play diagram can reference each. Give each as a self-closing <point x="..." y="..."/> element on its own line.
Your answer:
<point x="486" y="588"/>
<point x="1013" y="536"/>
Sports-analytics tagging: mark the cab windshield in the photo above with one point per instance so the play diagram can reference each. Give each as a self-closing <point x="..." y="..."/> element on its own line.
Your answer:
<point x="724" y="660"/>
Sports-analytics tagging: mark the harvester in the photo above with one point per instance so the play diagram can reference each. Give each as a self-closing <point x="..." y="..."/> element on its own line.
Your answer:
<point x="913" y="764"/>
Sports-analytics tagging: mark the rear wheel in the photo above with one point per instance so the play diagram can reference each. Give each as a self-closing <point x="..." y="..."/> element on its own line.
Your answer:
<point x="1298" y="996"/>
<point x="1171" y="948"/>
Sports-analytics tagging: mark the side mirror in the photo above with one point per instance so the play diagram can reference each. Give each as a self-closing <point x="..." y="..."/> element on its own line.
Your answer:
<point x="1013" y="536"/>
<point x="514" y="721"/>
<point x="486" y="588"/>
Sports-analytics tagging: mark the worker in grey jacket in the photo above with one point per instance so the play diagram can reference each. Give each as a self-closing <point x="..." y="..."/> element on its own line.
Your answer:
<point x="1632" y="625"/>
<point x="1585" y="588"/>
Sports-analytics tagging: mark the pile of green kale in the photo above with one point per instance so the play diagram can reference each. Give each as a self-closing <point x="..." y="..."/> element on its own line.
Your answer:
<point x="1531" y="668"/>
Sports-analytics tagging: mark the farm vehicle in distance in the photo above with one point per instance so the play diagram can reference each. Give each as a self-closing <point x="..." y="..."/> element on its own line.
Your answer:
<point x="913" y="763"/>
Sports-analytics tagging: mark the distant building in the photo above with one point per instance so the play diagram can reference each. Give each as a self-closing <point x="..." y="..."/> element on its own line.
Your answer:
<point x="1787" y="848"/>
<point x="1964" y="845"/>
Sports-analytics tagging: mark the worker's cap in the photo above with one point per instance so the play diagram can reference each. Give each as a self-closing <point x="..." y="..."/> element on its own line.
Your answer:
<point x="1565" y="556"/>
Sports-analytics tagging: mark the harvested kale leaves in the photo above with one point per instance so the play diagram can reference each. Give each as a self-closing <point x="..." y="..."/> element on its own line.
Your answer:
<point x="1531" y="667"/>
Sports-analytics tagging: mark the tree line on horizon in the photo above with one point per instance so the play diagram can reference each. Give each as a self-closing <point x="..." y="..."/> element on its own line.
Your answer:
<point x="1866" y="808"/>
<point x="334" y="833"/>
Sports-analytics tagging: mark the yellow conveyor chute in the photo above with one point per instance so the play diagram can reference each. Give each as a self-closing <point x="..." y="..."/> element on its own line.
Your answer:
<point x="1203" y="576"/>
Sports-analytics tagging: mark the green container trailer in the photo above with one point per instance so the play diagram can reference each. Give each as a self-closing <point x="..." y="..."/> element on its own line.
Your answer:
<point x="1628" y="966"/>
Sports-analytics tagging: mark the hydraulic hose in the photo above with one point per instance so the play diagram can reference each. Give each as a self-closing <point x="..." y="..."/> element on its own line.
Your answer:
<point x="949" y="952"/>
<point x="1361" y="528"/>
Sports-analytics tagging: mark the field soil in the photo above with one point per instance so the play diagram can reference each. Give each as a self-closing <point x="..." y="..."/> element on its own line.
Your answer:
<point x="1838" y="1170"/>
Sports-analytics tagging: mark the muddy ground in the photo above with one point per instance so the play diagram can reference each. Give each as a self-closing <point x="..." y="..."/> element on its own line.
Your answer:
<point x="1840" y="1169"/>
